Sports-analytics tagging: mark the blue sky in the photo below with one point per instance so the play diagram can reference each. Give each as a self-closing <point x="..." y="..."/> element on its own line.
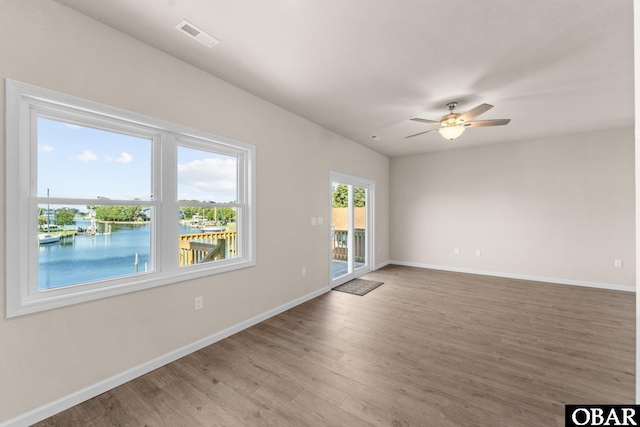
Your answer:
<point x="82" y="162"/>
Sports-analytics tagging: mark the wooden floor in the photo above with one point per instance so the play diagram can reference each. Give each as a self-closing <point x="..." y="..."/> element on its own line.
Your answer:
<point x="427" y="348"/>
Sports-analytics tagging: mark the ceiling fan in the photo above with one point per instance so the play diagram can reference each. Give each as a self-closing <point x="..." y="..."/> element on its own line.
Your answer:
<point x="453" y="124"/>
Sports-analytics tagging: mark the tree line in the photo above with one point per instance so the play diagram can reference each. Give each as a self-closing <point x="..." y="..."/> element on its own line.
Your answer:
<point x="118" y="213"/>
<point x="341" y="196"/>
<point x="219" y="215"/>
<point x="65" y="216"/>
<point x="133" y="213"/>
<point x="61" y="217"/>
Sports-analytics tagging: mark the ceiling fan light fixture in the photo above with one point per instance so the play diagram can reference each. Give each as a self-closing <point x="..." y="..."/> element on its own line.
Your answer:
<point x="451" y="132"/>
<point x="452" y="125"/>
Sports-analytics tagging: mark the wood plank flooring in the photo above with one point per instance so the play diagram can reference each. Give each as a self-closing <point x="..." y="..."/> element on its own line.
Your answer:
<point x="427" y="348"/>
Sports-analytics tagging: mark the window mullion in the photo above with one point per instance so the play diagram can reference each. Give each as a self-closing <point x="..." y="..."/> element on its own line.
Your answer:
<point x="167" y="214"/>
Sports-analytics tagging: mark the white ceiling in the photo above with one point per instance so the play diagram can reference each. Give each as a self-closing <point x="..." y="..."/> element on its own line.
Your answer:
<point x="364" y="67"/>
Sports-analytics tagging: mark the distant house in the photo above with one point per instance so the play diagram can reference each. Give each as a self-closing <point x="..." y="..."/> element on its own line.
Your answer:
<point x="340" y="218"/>
<point x="145" y="214"/>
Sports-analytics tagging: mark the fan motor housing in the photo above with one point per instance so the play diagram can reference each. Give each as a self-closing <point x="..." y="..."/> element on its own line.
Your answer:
<point x="450" y="119"/>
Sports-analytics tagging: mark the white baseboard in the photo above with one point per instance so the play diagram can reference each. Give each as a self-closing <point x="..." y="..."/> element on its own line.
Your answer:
<point x="520" y="276"/>
<point x="94" y="390"/>
<point x="384" y="264"/>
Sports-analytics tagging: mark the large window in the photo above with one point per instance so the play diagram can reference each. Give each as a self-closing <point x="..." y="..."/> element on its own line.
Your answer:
<point x="101" y="201"/>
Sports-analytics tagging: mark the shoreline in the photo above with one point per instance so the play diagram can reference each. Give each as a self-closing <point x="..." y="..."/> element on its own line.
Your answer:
<point x="100" y="221"/>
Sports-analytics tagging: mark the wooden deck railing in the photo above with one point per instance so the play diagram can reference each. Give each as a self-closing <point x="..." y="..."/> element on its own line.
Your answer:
<point x="209" y="246"/>
<point x="203" y="247"/>
<point x="339" y="245"/>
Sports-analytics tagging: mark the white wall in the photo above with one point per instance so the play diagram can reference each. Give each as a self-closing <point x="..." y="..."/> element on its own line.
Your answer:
<point x="560" y="209"/>
<point x="50" y="355"/>
<point x="636" y="62"/>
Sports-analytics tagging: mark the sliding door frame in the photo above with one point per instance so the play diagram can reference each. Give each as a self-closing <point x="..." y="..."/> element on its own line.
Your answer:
<point x="369" y="186"/>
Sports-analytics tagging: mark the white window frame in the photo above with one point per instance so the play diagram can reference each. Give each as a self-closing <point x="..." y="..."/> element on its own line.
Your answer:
<point x="24" y="103"/>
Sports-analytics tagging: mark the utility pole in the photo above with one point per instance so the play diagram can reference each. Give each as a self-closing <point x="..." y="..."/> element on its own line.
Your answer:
<point x="48" y="222"/>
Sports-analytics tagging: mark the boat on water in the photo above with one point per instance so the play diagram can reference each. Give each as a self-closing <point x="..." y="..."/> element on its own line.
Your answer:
<point x="212" y="229"/>
<point x="48" y="238"/>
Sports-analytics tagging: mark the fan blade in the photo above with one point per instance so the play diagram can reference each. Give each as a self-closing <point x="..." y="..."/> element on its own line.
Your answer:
<point x="426" y="131"/>
<point x="426" y="121"/>
<point x="481" y="123"/>
<point x="475" y="112"/>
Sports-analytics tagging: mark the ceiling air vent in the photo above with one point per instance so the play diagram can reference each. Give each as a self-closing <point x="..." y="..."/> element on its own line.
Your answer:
<point x="194" y="32"/>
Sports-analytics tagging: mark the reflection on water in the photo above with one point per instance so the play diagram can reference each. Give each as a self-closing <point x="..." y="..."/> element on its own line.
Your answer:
<point x="91" y="258"/>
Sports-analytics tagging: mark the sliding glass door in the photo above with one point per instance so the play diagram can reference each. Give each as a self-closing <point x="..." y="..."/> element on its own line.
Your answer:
<point x="351" y="227"/>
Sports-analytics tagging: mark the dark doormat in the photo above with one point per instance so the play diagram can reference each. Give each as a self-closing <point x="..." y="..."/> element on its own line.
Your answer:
<point x="358" y="286"/>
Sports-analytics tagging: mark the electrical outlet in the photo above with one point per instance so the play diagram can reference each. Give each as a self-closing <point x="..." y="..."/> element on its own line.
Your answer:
<point x="314" y="220"/>
<point x="320" y="220"/>
<point x="617" y="263"/>
<point x="304" y="271"/>
<point x="456" y="251"/>
<point x="198" y="303"/>
<point x="477" y="252"/>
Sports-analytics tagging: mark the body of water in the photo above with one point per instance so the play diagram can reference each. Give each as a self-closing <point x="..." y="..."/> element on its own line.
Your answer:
<point x="103" y="256"/>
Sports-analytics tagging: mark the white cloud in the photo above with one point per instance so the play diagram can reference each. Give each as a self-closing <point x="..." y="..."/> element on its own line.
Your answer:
<point x="87" y="156"/>
<point x="45" y="148"/>
<point x="213" y="177"/>
<point x="124" y="157"/>
<point x="72" y="127"/>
